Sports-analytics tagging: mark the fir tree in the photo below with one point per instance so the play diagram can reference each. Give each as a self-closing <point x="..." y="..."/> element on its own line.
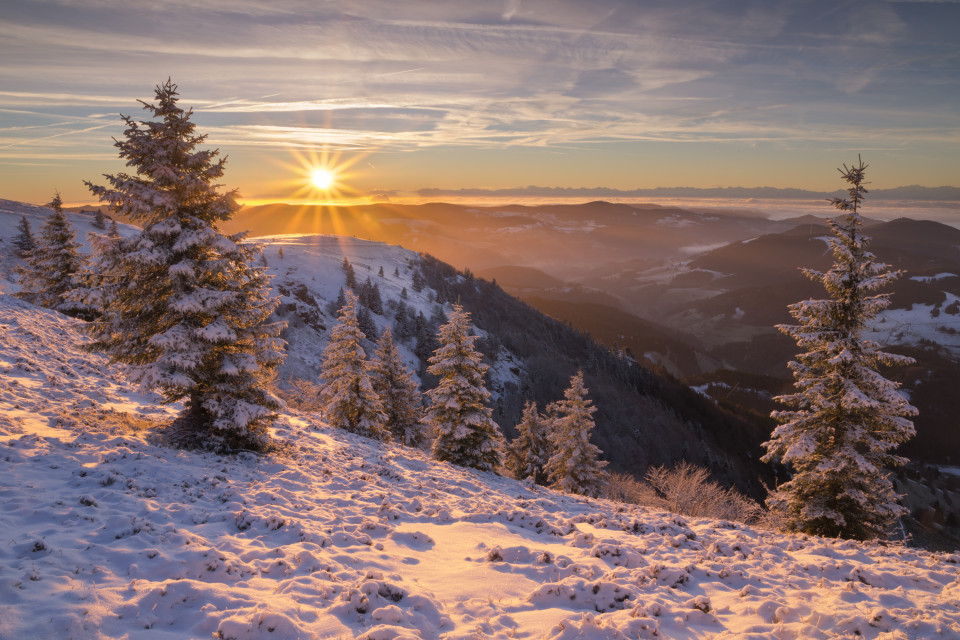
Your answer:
<point x="529" y="452"/>
<point x="367" y="324"/>
<point x="376" y="300"/>
<point x="398" y="391"/>
<point x="24" y="240"/>
<point x="348" y="398"/>
<point x="463" y="429"/>
<point x="575" y="466"/>
<point x="54" y="267"/>
<point x="98" y="220"/>
<point x="340" y="302"/>
<point x="185" y="306"/>
<point x="396" y="272"/>
<point x="426" y="338"/>
<point x="349" y="274"/>
<point x="402" y="321"/>
<point x="838" y="441"/>
<point x="419" y="282"/>
<point x="380" y="273"/>
<point x="114" y="231"/>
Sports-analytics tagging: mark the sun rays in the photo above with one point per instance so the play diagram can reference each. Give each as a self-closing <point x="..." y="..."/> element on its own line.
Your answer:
<point x="321" y="183"/>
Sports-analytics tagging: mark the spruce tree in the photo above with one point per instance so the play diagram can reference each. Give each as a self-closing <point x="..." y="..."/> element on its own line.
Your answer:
<point x="185" y="306"/>
<point x="349" y="274"/>
<point x="419" y="282"/>
<point x="847" y="418"/>
<point x="24" y="240"/>
<point x="575" y="466"/>
<point x="348" y="398"/>
<point x="98" y="220"/>
<point x="54" y="267"/>
<point x="398" y="391"/>
<point x="367" y="324"/>
<point x="463" y="428"/>
<point x="529" y="452"/>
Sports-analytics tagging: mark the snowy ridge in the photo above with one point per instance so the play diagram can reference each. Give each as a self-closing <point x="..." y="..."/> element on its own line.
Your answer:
<point x="309" y="276"/>
<point x="109" y="535"/>
<point x="10" y="214"/>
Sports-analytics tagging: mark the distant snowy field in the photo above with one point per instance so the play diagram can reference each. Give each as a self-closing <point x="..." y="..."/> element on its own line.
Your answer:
<point x="107" y="534"/>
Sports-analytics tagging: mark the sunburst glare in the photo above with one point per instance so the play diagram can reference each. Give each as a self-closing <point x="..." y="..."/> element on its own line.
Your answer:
<point x="322" y="179"/>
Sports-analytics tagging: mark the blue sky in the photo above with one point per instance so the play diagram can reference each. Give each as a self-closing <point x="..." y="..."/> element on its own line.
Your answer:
<point x="418" y="94"/>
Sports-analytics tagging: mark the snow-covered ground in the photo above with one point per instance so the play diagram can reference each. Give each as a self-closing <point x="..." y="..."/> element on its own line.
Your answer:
<point x="108" y="534"/>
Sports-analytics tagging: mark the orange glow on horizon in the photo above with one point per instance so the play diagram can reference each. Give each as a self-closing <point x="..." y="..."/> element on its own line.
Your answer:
<point x="318" y="183"/>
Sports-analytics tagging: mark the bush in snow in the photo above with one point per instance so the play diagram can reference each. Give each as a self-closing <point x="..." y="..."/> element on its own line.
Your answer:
<point x="463" y="427"/>
<point x="53" y="267"/>
<point x="348" y="398"/>
<point x="303" y="395"/>
<point x="528" y="453"/>
<point x="838" y="440"/>
<point x="398" y="392"/>
<point x="184" y="305"/>
<point x="687" y="489"/>
<point x="623" y="487"/>
<point x="575" y="466"/>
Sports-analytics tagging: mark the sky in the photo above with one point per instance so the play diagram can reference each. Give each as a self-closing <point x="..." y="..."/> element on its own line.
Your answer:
<point x="397" y="97"/>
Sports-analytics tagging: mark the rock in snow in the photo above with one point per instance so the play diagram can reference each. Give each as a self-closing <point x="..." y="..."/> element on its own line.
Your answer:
<point x="108" y="534"/>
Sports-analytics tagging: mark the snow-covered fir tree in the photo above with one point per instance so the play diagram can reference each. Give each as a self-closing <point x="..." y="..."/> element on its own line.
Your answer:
<point x="54" y="267"/>
<point x="99" y="221"/>
<point x="575" y="465"/>
<point x="529" y="452"/>
<point x="463" y="428"/>
<point x="398" y="391"/>
<point x="185" y="306"/>
<point x="838" y="441"/>
<point x="24" y="240"/>
<point x="347" y="396"/>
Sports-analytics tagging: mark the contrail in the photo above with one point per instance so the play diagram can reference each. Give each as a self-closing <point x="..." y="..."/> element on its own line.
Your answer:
<point x="57" y="135"/>
<point x="393" y="73"/>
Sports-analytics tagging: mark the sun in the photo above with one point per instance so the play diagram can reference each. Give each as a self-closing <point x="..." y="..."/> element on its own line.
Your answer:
<point x="321" y="179"/>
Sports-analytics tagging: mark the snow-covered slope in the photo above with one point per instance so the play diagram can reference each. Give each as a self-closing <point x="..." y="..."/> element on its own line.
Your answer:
<point x="10" y="215"/>
<point x="307" y="275"/>
<point x="107" y="534"/>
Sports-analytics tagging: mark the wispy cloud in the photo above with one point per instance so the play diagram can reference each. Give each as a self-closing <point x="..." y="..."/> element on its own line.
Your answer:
<point x="560" y="75"/>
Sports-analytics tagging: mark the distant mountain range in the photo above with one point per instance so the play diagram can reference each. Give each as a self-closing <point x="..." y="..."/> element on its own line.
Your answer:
<point x="912" y="192"/>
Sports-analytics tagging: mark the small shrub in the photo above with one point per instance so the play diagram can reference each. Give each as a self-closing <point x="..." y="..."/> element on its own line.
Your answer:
<point x="684" y="489"/>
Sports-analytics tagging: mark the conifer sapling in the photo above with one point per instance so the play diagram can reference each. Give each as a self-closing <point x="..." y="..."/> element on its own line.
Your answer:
<point x="463" y="428"/>
<point x="24" y="240"/>
<point x="347" y="396"/>
<point x="398" y="391"/>
<point x="575" y="466"/>
<point x="54" y="267"/>
<point x="529" y="452"/>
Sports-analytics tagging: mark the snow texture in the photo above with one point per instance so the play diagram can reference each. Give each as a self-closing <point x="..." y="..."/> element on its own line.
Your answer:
<point x="109" y="535"/>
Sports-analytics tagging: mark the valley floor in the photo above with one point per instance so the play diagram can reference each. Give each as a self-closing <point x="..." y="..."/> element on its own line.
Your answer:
<point x="108" y="534"/>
